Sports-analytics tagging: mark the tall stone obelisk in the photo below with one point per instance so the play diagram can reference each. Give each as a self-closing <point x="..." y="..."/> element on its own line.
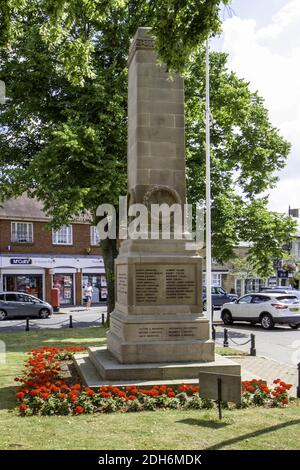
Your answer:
<point x="158" y="315"/>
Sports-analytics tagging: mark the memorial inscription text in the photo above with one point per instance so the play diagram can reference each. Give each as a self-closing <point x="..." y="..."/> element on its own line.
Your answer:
<point x="165" y="284"/>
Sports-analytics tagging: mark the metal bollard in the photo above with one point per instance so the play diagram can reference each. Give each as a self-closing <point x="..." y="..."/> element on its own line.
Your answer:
<point x="225" y="342"/>
<point x="252" y="345"/>
<point x="27" y="324"/>
<point x="298" y="387"/>
<point x="103" y="318"/>
<point x="71" y="322"/>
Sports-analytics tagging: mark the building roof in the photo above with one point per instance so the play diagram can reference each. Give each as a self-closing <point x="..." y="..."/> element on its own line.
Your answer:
<point x="28" y="209"/>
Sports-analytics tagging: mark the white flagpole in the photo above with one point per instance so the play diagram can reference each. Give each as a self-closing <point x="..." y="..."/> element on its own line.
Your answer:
<point x="208" y="199"/>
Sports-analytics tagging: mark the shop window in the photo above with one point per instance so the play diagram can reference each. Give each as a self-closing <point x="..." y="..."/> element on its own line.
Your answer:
<point x="64" y="283"/>
<point x="63" y="236"/>
<point x="21" y="232"/>
<point x="98" y="282"/>
<point x="95" y="239"/>
<point x="30" y="284"/>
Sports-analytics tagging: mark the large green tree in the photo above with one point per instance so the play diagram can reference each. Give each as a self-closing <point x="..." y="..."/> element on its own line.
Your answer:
<point x="64" y="127"/>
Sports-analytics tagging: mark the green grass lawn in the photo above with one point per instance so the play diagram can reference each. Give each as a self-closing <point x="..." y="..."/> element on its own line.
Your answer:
<point x="196" y="429"/>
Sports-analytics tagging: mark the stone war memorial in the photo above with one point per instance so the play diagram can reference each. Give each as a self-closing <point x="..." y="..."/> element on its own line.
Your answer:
<point x="158" y="331"/>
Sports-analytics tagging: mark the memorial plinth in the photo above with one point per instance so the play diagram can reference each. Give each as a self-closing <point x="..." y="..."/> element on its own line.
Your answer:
<point x="158" y="317"/>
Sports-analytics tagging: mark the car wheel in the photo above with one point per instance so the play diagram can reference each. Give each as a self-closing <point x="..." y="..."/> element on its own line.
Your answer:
<point x="266" y="321"/>
<point x="44" y="313"/>
<point x="227" y="317"/>
<point x="294" y="326"/>
<point x="2" y="314"/>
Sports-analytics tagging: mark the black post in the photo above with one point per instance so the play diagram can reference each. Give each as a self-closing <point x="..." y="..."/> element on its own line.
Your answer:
<point x="213" y="333"/>
<point x="102" y="319"/>
<point x="27" y="324"/>
<point x="298" y="387"/>
<point x="225" y="342"/>
<point x="252" y="347"/>
<point x="71" y="322"/>
<point x="220" y="397"/>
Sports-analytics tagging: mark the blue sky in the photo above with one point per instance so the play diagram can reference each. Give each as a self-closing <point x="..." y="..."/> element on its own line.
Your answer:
<point x="263" y="41"/>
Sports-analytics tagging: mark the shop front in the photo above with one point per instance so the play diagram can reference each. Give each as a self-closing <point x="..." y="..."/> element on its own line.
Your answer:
<point x="37" y="274"/>
<point x="30" y="283"/>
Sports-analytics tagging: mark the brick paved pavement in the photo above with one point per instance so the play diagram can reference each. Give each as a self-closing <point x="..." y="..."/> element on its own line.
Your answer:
<point x="268" y="369"/>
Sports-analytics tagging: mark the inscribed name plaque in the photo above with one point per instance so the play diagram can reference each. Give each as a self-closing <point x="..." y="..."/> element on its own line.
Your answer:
<point x="122" y="283"/>
<point x="166" y="284"/>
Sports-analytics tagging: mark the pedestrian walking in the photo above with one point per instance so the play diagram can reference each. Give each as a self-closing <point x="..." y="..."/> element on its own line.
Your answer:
<point x="88" y="292"/>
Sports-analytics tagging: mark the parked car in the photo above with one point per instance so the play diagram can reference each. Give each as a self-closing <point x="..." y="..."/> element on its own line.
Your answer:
<point x="219" y="297"/>
<point x="19" y="304"/>
<point x="268" y="309"/>
<point x="282" y="290"/>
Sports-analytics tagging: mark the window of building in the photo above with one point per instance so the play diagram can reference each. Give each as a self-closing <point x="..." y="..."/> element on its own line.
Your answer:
<point x="63" y="236"/>
<point x="95" y="239"/>
<point x="21" y="232"/>
<point x="253" y="285"/>
<point x="216" y="279"/>
<point x="297" y="248"/>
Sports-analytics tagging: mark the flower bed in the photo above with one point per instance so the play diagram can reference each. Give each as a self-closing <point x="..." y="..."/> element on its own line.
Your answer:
<point x="45" y="392"/>
<point x="257" y="392"/>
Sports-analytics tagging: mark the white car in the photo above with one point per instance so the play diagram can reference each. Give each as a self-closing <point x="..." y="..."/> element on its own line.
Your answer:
<point x="267" y="309"/>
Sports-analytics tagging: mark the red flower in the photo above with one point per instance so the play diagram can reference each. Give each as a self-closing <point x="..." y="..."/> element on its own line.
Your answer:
<point x="78" y="410"/>
<point x="61" y="396"/>
<point x="171" y="394"/>
<point x="44" y="395"/>
<point x="20" y="395"/>
<point x="23" y="407"/>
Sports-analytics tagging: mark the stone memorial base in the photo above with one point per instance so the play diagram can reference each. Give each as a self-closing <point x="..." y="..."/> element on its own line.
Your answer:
<point x="158" y="313"/>
<point x="99" y="367"/>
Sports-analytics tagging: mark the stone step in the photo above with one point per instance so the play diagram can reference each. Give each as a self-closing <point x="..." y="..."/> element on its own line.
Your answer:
<point x="110" y="369"/>
<point x="99" y="365"/>
<point x="91" y="377"/>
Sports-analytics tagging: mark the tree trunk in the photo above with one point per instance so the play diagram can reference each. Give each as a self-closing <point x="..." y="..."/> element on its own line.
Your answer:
<point x="110" y="252"/>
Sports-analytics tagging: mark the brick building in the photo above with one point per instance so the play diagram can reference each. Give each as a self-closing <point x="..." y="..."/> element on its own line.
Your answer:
<point x="34" y="259"/>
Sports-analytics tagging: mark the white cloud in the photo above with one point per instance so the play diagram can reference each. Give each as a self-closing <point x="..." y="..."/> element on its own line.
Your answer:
<point x="269" y="58"/>
<point x="281" y="20"/>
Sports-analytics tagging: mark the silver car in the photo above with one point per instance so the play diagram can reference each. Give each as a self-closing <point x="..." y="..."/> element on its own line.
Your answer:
<point x="19" y="304"/>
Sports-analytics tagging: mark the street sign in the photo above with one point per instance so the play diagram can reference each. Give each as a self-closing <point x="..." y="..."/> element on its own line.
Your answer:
<point x="220" y="387"/>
